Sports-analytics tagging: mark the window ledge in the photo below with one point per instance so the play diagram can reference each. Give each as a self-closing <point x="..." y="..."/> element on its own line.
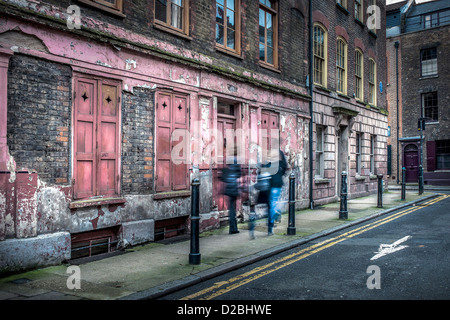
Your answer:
<point x="429" y="77"/>
<point x="360" y="22"/>
<point x="95" y="202"/>
<point x="373" y="177"/>
<point x="102" y="7"/>
<point x="229" y="52"/>
<point x="320" y="87"/>
<point x="343" y="95"/>
<point x="171" y="194"/>
<point x="269" y="67"/>
<point x="179" y="33"/>
<point x="321" y="180"/>
<point x="343" y="9"/>
<point x="360" y="178"/>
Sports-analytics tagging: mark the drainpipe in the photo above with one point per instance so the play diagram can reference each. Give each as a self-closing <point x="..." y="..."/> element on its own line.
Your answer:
<point x="311" y="103"/>
<point x="396" y="44"/>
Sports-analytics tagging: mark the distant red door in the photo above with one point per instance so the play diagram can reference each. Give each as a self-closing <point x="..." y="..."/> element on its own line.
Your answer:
<point x="411" y="163"/>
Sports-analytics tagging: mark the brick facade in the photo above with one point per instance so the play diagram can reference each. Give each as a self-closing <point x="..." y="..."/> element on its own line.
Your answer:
<point x="412" y="86"/>
<point x="39" y="97"/>
<point x="341" y="116"/>
<point x="145" y="62"/>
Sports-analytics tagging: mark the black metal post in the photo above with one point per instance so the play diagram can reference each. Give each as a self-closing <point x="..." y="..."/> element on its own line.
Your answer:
<point x="421" y="156"/>
<point x="291" y="228"/>
<point x="403" y="184"/>
<point x="194" y="255"/>
<point x="380" y="191"/>
<point x="343" y="213"/>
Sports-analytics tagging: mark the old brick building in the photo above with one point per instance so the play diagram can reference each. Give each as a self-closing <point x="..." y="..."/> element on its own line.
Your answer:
<point x="350" y="118"/>
<point x="418" y="39"/>
<point x="109" y="109"/>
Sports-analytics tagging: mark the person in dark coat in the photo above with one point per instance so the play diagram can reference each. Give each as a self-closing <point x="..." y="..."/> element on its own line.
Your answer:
<point x="230" y="176"/>
<point x="276" y="183"/>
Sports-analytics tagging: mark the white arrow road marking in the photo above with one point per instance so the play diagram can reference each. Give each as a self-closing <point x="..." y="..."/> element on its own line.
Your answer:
<point x="385" y="249"/>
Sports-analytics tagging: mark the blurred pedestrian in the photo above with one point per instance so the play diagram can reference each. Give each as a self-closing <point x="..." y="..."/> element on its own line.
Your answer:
<point x="277" y="167"/>
<point x="230" y="176"/>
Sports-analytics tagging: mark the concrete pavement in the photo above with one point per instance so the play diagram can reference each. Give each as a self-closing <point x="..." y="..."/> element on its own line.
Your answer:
<point x="152" y="270"/>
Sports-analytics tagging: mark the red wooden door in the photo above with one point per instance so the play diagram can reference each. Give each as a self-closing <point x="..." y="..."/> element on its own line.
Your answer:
<point x="107" y="137"/>
<point x="270" y="132"/>
<point x="411" y="161"/>
<point x="180" y="122"/>
<point x="163" y="148"/>
<point x="171" y="167"/>
<point x="96" y="138"/>
<point x="85" y="143"/>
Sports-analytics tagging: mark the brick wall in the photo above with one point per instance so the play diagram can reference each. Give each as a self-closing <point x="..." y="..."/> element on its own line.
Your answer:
<point x="39" y="104"/>
<point x="137" y="141"/>
<point x="413" y="85"/>
<point x="139" y="18"/>
<point x="375" y="46"/>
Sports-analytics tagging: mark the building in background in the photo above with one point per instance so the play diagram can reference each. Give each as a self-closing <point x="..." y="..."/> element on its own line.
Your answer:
<point x="350" y="112"/>
<point x="418" y="38"/>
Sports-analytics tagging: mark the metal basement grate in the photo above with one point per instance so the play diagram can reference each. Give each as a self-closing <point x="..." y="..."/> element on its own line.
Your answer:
<point x="169" y="228"/>
<point x="92" y="243"/>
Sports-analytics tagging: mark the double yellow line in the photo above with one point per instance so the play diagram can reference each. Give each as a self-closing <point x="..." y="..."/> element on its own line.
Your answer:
<point x="223" y="287"/>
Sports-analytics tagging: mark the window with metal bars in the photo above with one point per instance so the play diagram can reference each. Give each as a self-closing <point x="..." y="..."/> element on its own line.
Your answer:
<point x="91" y="243"/>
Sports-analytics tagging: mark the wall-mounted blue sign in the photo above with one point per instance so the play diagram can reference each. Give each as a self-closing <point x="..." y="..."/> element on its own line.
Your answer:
<point x="381" y="87"/>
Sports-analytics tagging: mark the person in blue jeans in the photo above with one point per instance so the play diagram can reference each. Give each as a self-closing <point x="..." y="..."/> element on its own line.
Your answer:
<point x="276" y="183"/>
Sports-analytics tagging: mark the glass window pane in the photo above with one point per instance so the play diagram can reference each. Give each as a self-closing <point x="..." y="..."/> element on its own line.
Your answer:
<point x="269" y="18"/>
<point x="262" y="53"/>
<point x="161" y="10"/>
<point x="230" y="19"/>
<point x="219" y="14"/>
<point x="177" y="16"/>
<point x="230" y="4"/>
<point x="270" y="38"/>
<point x="219" y="34"/>
<point x="262" y="22"/>
<point x="269" y="55"/>
<point x="262" y="35"/>
<point x="230" y="38"/>
<point x="221" y="2"/>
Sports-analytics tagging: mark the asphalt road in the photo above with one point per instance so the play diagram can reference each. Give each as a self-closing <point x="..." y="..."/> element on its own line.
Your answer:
<point x="403" y="255"/>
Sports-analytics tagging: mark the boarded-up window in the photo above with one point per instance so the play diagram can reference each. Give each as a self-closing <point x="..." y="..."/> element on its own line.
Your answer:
<point x="270" y="133"/>
<point x="171" y="165"/>
<point x="96" y="138"/>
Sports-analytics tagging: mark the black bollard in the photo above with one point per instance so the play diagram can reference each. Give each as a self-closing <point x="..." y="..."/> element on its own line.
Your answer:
<point x="291" y="228"/>
<point x="380" y="191"/>
<point x="194" y="256"/>
<point x="343" y="213"/>
<point x="421" y="179"/>
<point x="403" y="184"/>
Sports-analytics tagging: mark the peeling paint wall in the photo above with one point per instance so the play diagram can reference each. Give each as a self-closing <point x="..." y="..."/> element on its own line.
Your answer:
<point x="37" y="201"/>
